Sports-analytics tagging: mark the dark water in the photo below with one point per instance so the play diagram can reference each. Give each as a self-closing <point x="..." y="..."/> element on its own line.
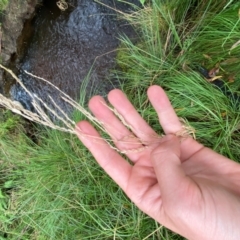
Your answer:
<point x="66" y="47"/>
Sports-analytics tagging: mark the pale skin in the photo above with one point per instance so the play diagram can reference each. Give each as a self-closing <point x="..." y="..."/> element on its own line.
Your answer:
<point x="183" y="185"/>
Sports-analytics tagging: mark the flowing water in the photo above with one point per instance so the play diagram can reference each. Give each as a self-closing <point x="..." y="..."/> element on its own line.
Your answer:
<point x="65" y="47"/>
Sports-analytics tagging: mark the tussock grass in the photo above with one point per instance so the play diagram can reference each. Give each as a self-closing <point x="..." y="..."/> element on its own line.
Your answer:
<point x="58" y="191"/>
<point x="176" y="38"/>
<point x="51" y="188"/>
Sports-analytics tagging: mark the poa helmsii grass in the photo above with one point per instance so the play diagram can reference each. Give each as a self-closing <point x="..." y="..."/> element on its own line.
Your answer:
<point x="52" y="188"/>
<point x="176" y="38"/>
<point x="58" y="191"/>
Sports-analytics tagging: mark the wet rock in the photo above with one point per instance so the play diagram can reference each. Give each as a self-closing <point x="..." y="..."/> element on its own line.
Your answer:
<point x="12" y="22"/>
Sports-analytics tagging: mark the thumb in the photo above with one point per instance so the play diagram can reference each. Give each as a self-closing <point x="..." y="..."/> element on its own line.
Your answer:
<point x="168" y="169"/>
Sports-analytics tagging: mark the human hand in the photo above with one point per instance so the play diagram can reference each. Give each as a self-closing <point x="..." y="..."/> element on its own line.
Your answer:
<point x="183" y="185"/>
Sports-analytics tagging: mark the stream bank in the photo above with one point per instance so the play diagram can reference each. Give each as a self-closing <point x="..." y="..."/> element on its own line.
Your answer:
<point x="65" y="47"/>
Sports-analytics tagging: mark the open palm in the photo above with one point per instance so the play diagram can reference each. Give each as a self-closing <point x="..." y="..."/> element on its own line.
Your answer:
<point x="183" y="185"/>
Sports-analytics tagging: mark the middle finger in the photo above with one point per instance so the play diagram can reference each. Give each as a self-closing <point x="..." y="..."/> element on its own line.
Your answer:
<point x="122" y="137"/>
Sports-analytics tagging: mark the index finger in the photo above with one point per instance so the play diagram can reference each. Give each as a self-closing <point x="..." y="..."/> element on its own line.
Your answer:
<point x="166" y="114"/>
<point x="170" y="121"/>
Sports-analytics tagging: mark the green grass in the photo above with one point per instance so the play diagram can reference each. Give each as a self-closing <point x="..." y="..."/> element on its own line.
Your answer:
<point x="173" y="45"/>
<point x="3" y="4"/>
<point x="51" y="188"/>
<point x="54" y="189"/>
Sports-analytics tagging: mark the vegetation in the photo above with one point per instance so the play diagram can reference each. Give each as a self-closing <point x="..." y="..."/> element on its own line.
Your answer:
<point x="177" y="39"/>
<point x="51" y="187"/>
<point x="3" y="4"/>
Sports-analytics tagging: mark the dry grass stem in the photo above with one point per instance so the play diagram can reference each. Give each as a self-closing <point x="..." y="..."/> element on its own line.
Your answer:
<point x="186" y="130"/>
<point x="68" y="125"/>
